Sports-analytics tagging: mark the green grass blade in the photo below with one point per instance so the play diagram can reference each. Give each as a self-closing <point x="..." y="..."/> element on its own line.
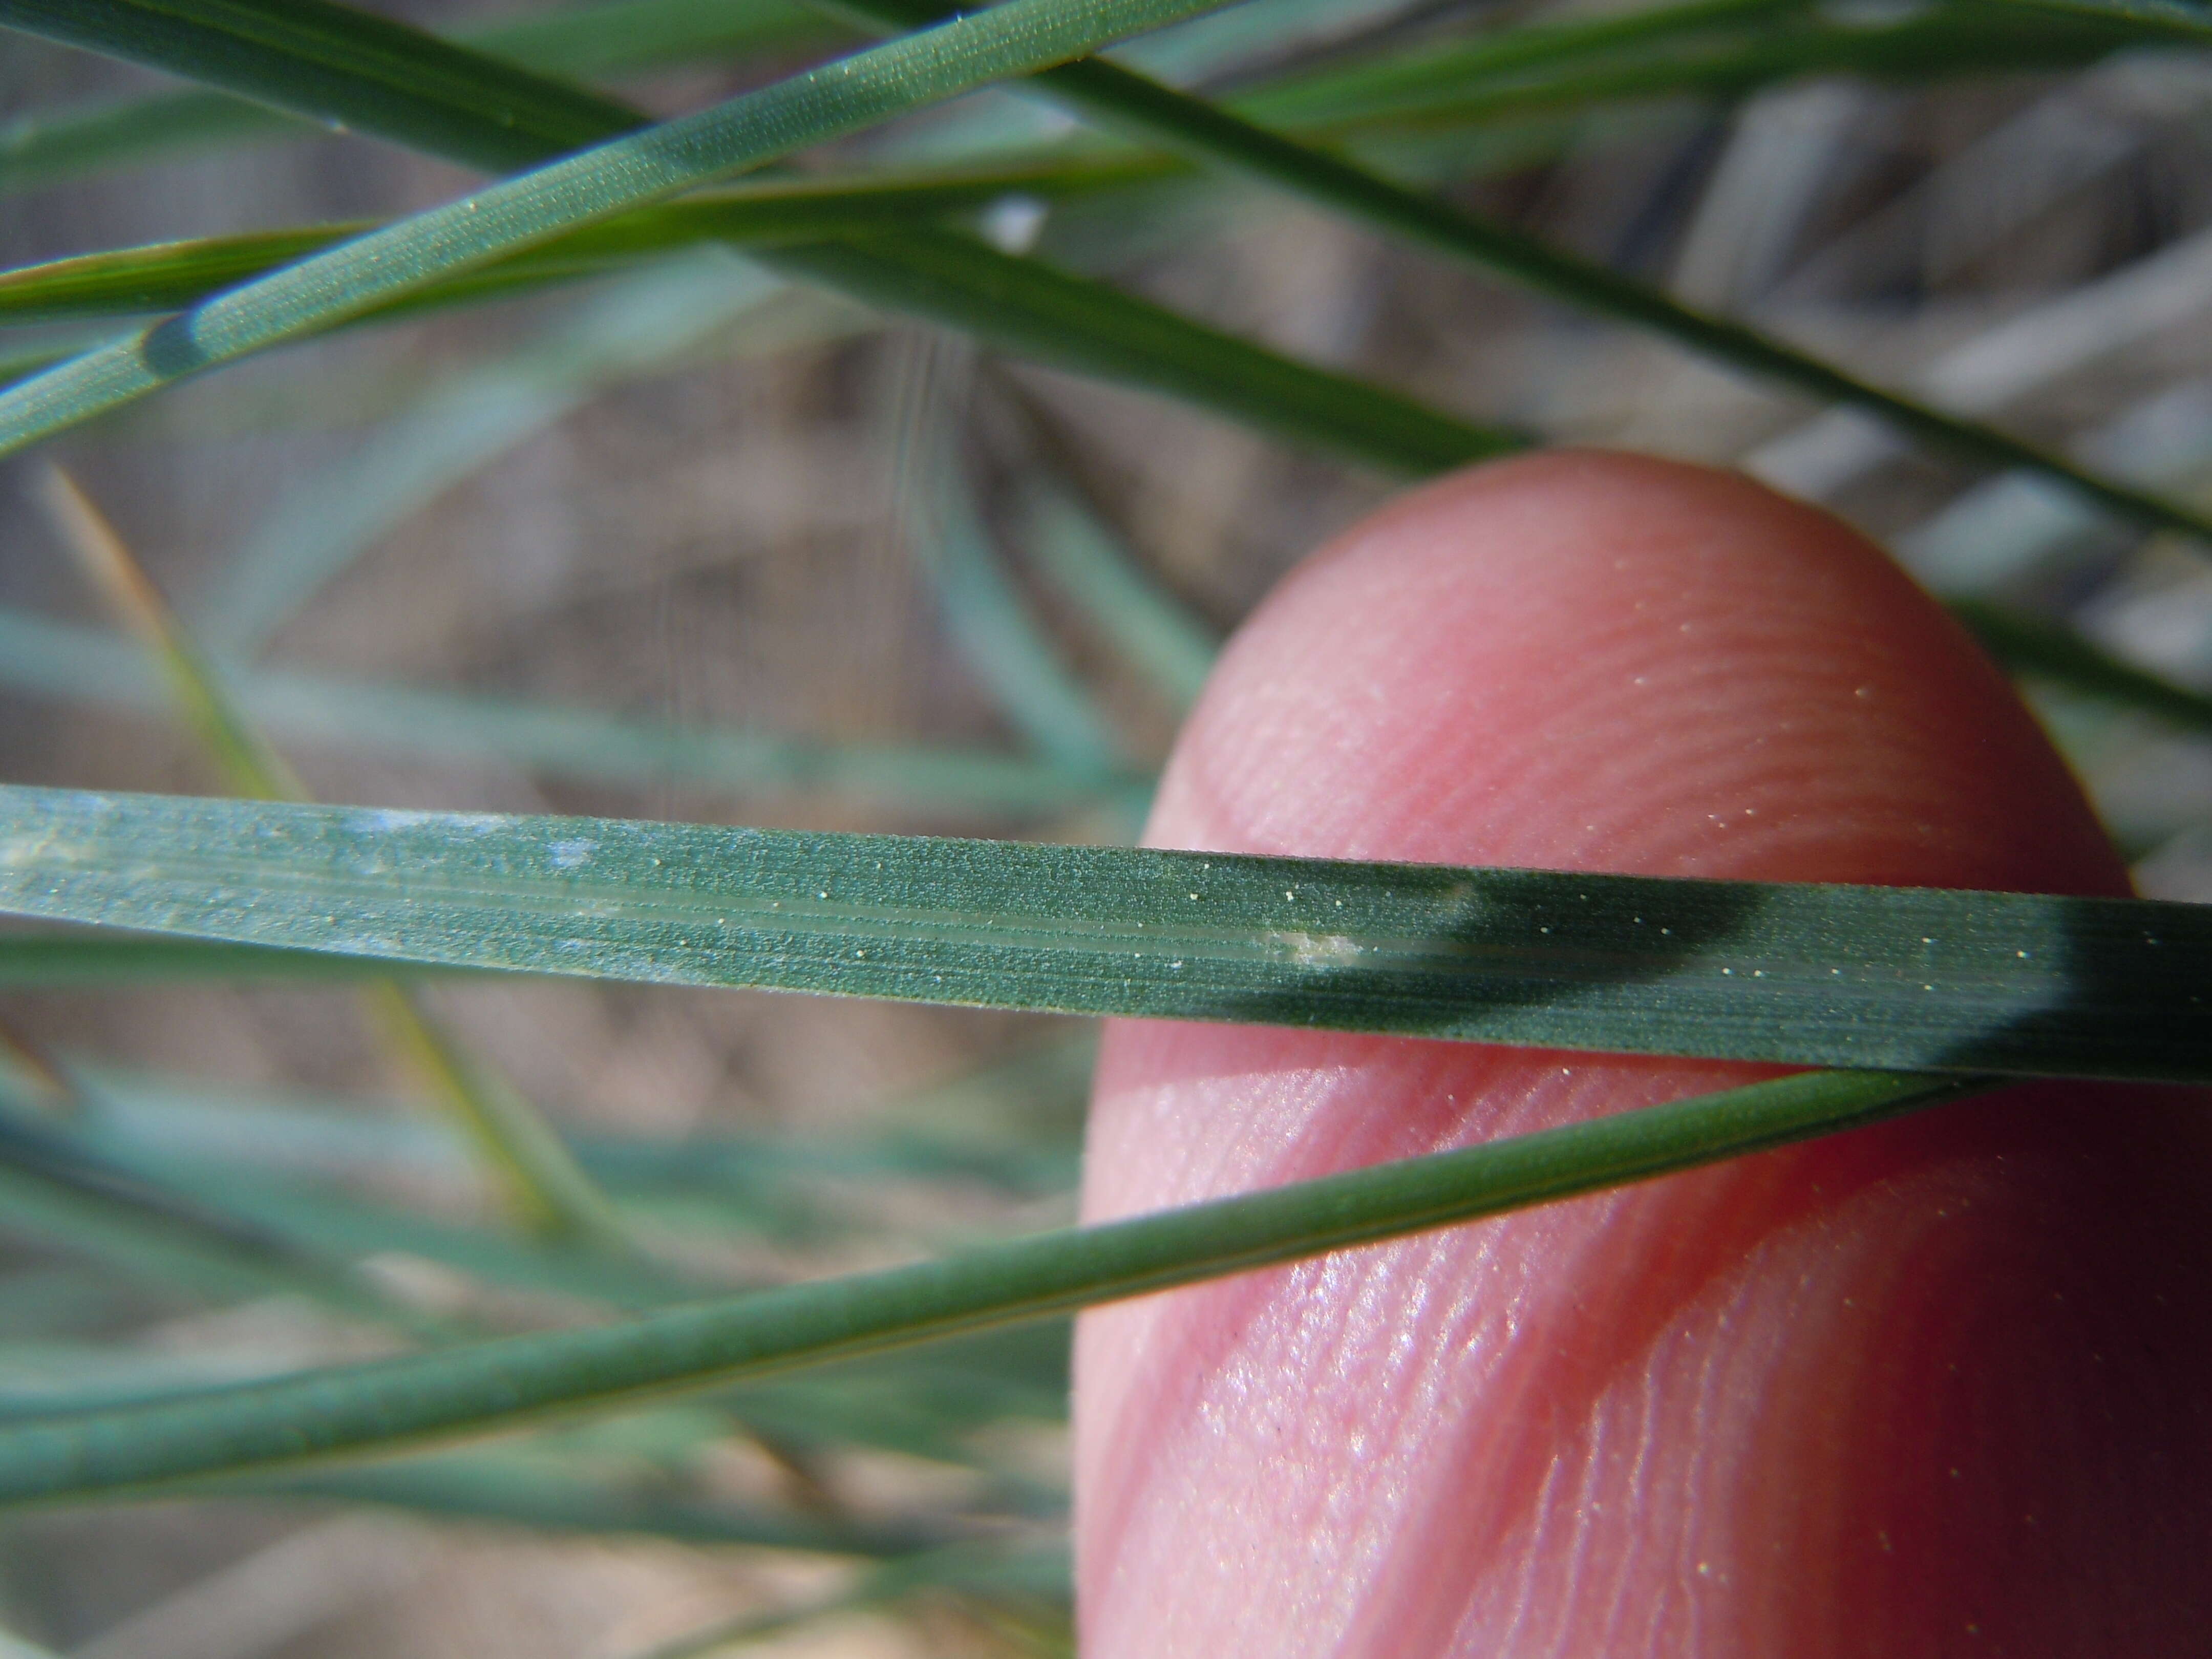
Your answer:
<point x="1582" y="64"/>
<point x="547" y="1187"/>
<point x="55" y="1191"/>
<point x="991" y="624"/>
<point x="1335" y="91"/>
<point x="1086" y="561"/>
<point x="45" y="146"/>
<point x="1031" y="309"/>
<point x="2160" y="20"/>
<point x="1205" y="132"/>
<point x="330" y="288"/>
<point x="51" y="659"/>
<point x="2040" y="651"/>
<point x="172" y="275"/>
<point x="1906" y="978"/>
<point x="526" y="1492"/>
<point x="331" y="63"/>
<point x="396" y="1404"/>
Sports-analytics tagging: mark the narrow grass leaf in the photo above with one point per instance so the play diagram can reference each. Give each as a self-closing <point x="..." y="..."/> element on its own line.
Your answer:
<point x="1031" y="309"/>
<point x="58" y="659"/>
<point x="529" y="1493"/>
<point x="330" y="288"/>
<point x="393" y="1405"/>
<point x="2039" y="651"/>
<point x="1088" y="563"/>
<point x="56" y="1192"/>
<point x="45" y="146"/>
<point x="172" y="275"/>
<point x="1205" y="132"/>
<point x="953" y="280"/>
<point x="992" y="625"/>
<point x="1694" y="50"/>
<point x="2168" y="20"/>
<point x="541" y="1178"/>
<point x="1827" y="975"/>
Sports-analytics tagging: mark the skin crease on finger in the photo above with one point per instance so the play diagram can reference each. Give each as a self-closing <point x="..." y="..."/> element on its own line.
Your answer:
<point x="1939" y="1386"/>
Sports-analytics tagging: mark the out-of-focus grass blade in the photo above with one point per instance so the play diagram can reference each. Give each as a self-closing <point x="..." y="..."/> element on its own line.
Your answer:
<point x="1033" y="309"/>
<point x="323" y="522"/>
<point x="393" y="1405"/>
<point x="1828" y="975"/>
<point x="990" y="625"/>
<point x="45" y="146"/>
<point x="326" y="62"/>
<point x="1024" y="306"/>
<point x="171" y="276"/>
<point x="53" y="1191"/>
<point x="541" y="1180"/>
<point x="846" y="96"/>
<point x="2041" y="651"/>
<point x="1205" y="132"/>
<point x="527" y="1492"/>
<point x="1367" y="82"/>
<point x="1085" y="559"/>
<point x="2170" y="19"/>
<point x="57" y="659"/>
<point x="1717" y="51"/>
<point x="974" y="1568"/>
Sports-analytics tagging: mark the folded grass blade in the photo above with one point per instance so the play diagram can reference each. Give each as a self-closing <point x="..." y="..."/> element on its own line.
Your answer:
<point x="393" y="1405"/>
<point x="1901" y="978"/>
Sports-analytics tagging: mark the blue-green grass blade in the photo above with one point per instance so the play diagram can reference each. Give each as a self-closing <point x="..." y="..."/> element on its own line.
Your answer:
<point x="1908" y="979"/>
<point x="2157" y="20"/>
<point x="992" y="625"/>
<point x="1718" y="51"/>
<point x="173" y="276"/>
<point x="56" y="1191"/>
<point x="2038" y="650"/>
<point x="1146" y="624"/>
<point x="394" y="1405"/>
<point x="59" y="660"/>
<point x="960" y="283"/>
<point x="1208" y="133"/>
<point x="531" y="1494"/>
<point x="847" y="96"/>
<point x="638" y="324"/>
<point x="45" y="146"/>
<point x="1031" y="309"/>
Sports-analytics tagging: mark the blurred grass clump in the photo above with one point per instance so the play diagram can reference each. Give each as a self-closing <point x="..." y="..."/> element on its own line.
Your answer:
<point x="906" y="486"/>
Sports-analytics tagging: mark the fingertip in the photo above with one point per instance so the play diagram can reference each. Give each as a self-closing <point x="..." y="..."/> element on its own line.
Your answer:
<point x="1579" y="660"/>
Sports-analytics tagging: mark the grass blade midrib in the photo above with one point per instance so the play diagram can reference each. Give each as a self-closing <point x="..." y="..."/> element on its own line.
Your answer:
<point x="1896" y="978"/>
<point x="388" y="1406"/>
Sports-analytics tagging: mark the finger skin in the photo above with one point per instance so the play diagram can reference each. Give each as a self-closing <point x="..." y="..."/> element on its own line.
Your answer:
<point x="1937" y="1387"/>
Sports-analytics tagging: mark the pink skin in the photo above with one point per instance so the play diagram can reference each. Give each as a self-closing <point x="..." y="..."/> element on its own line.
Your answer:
<point x="1937" y="1387"/>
